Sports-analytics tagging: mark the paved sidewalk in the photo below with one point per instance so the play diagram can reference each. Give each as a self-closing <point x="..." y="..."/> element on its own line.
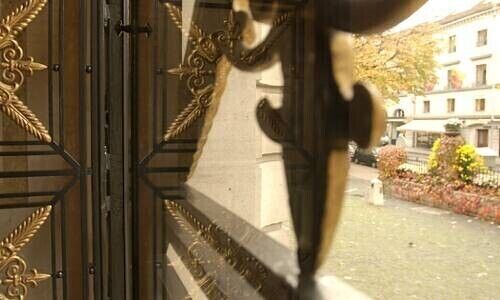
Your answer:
<point x="407" y="251"/>
<point x="362" y="172"/>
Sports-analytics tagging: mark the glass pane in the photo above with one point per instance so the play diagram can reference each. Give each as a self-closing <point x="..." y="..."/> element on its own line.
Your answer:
<point x="41" y="196"/>
<point x="21" y="153"/>
<point x="267" y="136"/>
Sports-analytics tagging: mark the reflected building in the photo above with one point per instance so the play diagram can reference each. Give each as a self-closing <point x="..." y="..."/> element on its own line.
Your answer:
<point x="237" y="145"/>
<point x="468" y="86"/>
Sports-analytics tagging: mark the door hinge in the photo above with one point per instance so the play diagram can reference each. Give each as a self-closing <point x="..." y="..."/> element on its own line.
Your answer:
<point x="133" y="29"/>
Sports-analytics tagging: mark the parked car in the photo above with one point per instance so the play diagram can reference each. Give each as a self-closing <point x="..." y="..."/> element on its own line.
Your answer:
<point x="365" y="156"/>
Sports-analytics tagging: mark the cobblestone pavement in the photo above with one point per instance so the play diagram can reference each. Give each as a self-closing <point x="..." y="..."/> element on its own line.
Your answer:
<point x="406" y="251"/>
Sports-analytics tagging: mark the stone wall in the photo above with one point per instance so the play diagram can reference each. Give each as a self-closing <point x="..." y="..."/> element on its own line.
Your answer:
<point x="485" y="208"/>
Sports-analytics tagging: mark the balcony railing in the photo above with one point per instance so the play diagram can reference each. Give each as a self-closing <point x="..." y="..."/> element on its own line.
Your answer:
<point x="218" y="254"/>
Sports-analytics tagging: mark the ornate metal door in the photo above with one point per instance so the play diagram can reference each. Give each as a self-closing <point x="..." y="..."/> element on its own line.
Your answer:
<point x="50" y="157"/>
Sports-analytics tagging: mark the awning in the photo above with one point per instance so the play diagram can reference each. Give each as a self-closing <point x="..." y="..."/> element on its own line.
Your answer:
<point x="396" y="120"/>
<point x="476" y="122"/>
<point x="436" y="126"/>
<point x="485" y="152"/>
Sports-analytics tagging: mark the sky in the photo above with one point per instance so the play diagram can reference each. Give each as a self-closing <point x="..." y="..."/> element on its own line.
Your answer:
<point x="436" y="9"/>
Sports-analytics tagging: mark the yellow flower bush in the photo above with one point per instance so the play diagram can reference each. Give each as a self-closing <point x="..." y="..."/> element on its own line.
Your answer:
<point x="432" y="163"/>
<point x="468" y="163"/>
<point x="452" y="159"/>
<point x="442" y="158"/>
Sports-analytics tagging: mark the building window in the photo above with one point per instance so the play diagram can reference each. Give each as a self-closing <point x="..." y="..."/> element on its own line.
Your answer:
<point x="454" y="79"/>
<point x="482" y="38"/>
<point x="480" y="75"/>
<point x="452" y="44"/>
<point x="399" y="113"/>
<point x="480" y="105"/>
<point x="427" y="106"/>
<point x="451" y="105"/>
<point x="426" y="139"/>
<point x="450" y="79"/>
<point x="482" y="137"/>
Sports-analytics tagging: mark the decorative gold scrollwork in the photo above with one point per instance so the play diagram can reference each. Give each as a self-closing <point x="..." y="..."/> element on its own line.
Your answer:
<point x="14" y="66"/>
<point x="229" y="42"/>
<point x="199" y="66"/>
<point x="15" y="276"/>
<point x="199" y="70"/>
<point x="247" y="266"/>
<point x="205" y="280"/>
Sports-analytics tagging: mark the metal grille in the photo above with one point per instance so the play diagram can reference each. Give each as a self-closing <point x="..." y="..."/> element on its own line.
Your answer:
<point x="46" y="143"/>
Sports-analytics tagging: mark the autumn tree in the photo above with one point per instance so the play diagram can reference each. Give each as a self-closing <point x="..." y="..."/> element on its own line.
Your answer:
<point x="397" y="62"/>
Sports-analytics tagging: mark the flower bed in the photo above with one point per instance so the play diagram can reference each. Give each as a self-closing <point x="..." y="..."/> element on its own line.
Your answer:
<point x="417" y="169"/>
<point x="487" y="189"/>
<point x="446" y="196"/>
<point x="454" y="178"/>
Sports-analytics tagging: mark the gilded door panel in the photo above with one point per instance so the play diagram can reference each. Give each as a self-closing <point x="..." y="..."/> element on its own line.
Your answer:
<point x="43" y="150"/>
<point x="23" y="271"/>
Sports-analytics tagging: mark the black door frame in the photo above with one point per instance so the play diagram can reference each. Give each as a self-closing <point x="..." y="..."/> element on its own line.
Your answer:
<point x="115" y="96"/>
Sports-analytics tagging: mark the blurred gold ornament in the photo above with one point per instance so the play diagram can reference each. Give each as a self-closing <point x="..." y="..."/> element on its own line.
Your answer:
<point x="14" y="66"/>
<point x="16" y="276"/>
